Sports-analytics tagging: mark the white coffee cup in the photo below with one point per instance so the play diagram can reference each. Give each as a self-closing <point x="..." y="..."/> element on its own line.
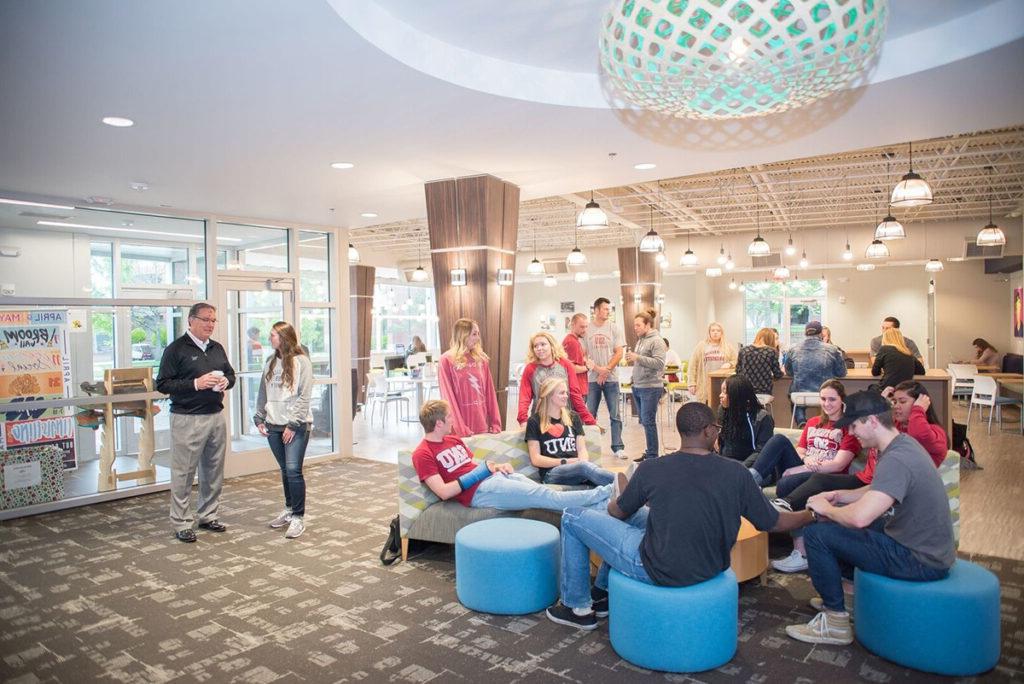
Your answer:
<point x="219" y="374"/>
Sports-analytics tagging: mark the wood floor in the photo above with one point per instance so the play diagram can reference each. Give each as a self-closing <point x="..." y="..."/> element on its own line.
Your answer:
<point x="991" y="499"/>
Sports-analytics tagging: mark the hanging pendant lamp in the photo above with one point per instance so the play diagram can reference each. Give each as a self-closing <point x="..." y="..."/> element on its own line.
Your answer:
<point x="535" y="267"/>
<point x="758" y="247"/>
<point x="353" y="255"/>
<point x="991" y="235"/>
<point x="876" y="250"/>
<point x="912" y="190"/>
<point x="652" y="242"/>
<point x="688" y="258"/>
<point x="592" y="217"/>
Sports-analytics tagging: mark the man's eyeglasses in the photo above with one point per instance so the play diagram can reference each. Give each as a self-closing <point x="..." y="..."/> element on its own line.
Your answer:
<point x="716" y="426"/>
<point x="205" y="320"/>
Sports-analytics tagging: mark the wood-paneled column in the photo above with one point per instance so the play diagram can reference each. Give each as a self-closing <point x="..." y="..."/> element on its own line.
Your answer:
<point x="639" y="273"/>
<point x="361" y="280"/>
<point x="473" y="224"/>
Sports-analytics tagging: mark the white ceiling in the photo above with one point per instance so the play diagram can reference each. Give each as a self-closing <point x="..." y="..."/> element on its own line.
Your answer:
<point x="241" y="105"/>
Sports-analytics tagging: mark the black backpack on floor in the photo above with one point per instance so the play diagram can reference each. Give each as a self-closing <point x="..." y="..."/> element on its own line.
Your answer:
<point x="392" y="550"/>
<point x="963" y="446"/>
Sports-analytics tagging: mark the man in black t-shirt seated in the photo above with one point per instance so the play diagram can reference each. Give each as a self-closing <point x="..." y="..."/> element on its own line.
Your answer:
<point x="694" y="501"/>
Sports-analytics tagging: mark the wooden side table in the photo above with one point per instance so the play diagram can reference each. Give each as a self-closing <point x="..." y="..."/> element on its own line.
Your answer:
<point x="750" y="554"/>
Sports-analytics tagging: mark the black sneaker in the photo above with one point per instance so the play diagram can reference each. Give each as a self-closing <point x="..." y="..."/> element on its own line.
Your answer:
<point x="564" y="615"/>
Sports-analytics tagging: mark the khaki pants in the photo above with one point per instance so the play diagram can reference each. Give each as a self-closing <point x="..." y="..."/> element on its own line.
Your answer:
<point x="197" y="442"/>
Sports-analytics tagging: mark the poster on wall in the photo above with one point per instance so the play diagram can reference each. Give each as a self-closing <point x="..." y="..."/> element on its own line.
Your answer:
<point x="35" y="364"/>
<point x="1018" y="312"/>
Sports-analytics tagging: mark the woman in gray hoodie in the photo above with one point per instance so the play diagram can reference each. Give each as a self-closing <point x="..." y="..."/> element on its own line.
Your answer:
<point x="648" y="361"/>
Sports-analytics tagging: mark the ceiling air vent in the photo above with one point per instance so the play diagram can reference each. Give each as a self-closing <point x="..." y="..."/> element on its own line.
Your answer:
<point x="973" y="251"/>
<point x="555" y="266"/>
<point x="770" y="261"/>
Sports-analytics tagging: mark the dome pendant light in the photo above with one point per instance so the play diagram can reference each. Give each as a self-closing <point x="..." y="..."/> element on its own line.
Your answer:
<point x="889" y="228"/>
<point x="592" y="217"/>
<point x="576" y="256"/>
<point x="912" y="190"/>
<point x="652" y="242"/>
<point x="420" y="274"/>
<point x="535" y="267"/>
<point x="933" y="266"/>
<point x="803" y="260"/>
<point x="991" y="235"/>
<point x="689" y="258"/>
<point x="876" y="250"/>
<point x="758" y="247"/>
<point x="729" y="263"/>
<point x="721" y="258"/>
<point x="790" y="247"/>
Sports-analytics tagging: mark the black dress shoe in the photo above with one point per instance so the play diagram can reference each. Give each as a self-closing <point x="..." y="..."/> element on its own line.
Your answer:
<point x="213" y="526"/>
<point x="188" y="536"/>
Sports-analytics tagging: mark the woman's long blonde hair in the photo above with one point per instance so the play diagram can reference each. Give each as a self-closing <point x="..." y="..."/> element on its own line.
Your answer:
<point x="765" y="337"/>
<point x="287" y="349"/>
<point x="459" y="351"/>
<point x="557" y="352"/>
<point x="723" y="343"/>
<point x="894" y="338"/>
<point x="547" y="390"/>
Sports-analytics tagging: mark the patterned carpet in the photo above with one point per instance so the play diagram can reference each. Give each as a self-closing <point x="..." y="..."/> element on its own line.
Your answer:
<point x="105" y="593"/>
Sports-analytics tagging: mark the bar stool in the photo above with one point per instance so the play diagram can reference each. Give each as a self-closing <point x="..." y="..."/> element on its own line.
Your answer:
<point x="803" y="399"/>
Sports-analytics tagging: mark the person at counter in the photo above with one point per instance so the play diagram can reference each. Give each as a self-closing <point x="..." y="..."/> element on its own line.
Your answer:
<point x="826" y="337"/>
<point x="894" y="361"/>
<point x="893" y="322"/>
<point x="759" y="362"/>
<point x="984" y="354"/>
<point x="811" y="363"/>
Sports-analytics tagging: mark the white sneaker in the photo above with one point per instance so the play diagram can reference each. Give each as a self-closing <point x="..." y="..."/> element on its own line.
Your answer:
<point x="296" y="528"/>
<point x="794" y="562"/>
<point x="621" y="453"/>
<point x="825" y="628"/>
<point x="281" y="520"/>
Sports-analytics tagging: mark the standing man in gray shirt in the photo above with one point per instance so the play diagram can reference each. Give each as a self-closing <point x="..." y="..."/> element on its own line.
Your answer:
<point x="898" y="526"/>
<point x="603" y="344"/>
<point x="893" y="322"/>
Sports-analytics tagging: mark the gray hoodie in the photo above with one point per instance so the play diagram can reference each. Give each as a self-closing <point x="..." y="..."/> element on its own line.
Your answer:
<point x="649" y="368"/>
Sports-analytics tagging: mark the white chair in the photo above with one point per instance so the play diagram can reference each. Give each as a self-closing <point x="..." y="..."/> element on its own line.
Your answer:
<point x="963" y="375"/>
<point x="766" y="399"/>
<point x="986" y="393"/>
<point x="625" y="374"/>
<point x="514" y="376"/>
<point x="804" y="399"/>
<point x="379" y="394"/>
<point x="430" y="378"/>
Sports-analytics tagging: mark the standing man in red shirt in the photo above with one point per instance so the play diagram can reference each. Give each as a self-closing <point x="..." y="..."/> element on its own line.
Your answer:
<point x="573" y="345"/>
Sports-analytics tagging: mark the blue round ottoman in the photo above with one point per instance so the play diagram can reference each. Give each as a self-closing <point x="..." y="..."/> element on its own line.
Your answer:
<point x="674" y="629"/>
<point x="507" y="566"/>
<point x="949" y="626"/>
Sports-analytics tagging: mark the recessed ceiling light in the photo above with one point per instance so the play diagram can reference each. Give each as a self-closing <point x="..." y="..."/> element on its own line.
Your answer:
<point x="368" y="214"/>
<point x="644" y="166"/>
<point x="118" y="121"/>
<point x="342" y="165"/>
<point x="140" y="187"/>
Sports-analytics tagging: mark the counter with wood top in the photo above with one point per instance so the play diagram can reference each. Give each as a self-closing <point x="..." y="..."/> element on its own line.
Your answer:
<point x="935" y="380"/>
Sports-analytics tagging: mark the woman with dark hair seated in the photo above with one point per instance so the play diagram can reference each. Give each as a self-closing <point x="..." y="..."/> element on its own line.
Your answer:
<point x="912" y="414"/>
<point x="746" y="425"/>
<point x="984" y="353"/>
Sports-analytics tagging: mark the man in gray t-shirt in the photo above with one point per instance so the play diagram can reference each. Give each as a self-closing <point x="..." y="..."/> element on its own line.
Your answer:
<point x="898" y="526"/>
<point x="603" y="345"/>
<point x="893" y="322"/>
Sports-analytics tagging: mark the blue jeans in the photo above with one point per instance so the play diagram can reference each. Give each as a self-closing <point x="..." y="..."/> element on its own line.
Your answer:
<point x="517" y="492"/>
<point x="610" y="391"/>
<point x="578" y="473"/>
<point x="800" y="415"/>
<point x="785" y="486"/>
<point x="833" y="551"/>
<point x="647" y="399"/>
<point x="777" y="455"/>
<point x="616" y="541"/>
<point x="289" y="457"/>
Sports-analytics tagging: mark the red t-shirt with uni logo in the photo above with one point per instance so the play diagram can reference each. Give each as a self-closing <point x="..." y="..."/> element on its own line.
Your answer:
<point x="450" y="458"/>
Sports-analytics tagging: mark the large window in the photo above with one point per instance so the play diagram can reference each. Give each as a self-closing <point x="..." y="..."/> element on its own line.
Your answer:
<point x="402" y="312"/>
<point x="251" y="248"/>
<point x="786" y="306"/>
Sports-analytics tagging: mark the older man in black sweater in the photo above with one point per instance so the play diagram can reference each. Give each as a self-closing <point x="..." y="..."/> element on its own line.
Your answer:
<point x="195" y="372"/>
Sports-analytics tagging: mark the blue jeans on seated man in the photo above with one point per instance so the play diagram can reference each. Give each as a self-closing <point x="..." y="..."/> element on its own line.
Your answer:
<point x="610" y="391"/>
<point x="616" y="541"/>
<point x="516" y="492"/>
<point x="777" y="455"/>
<point x="800" y="415"/>
<point x="578" y="473"/>
<point x="647" y="399"/>
<point x="289" y="458"/>
<point x="833" y="551"/>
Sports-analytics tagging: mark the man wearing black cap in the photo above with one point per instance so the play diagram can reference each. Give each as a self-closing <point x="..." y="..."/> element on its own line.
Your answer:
<point x="898" y="526"/>
<point x="811" y="363"/>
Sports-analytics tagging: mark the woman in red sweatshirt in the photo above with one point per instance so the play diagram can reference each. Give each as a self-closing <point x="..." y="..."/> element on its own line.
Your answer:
<point x="545" y="359"/>
<point x="466" y="384"/>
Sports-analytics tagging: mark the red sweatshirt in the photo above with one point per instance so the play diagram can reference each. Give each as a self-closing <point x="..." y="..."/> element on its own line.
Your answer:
<point x="470" y="393"/>
<point x="534" y="376"/>
<point x="932" y="438"/>
<point x="574" y="350"/>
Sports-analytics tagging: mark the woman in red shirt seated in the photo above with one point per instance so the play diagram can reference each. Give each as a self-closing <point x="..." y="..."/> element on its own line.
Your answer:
<point x="545" y="359"/>
<point x="556" y="441"/>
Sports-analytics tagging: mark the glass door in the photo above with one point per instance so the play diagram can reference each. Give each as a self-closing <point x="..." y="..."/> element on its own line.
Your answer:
<point x="248" y="309"/>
